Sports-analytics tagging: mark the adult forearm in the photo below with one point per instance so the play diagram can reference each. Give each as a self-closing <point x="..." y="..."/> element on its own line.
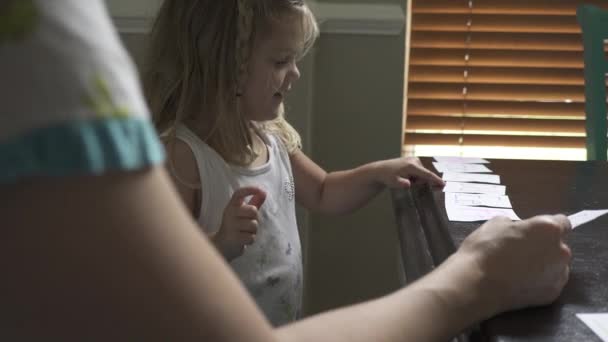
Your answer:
<point x="434" y="309"/>
<point x="345" y="191"/>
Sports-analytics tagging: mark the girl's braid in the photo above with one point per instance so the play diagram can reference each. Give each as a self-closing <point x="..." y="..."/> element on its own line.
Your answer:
<point x="243" y="48"/>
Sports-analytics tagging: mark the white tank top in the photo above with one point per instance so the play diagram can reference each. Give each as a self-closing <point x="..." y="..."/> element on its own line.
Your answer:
<point x="271" y="268"/>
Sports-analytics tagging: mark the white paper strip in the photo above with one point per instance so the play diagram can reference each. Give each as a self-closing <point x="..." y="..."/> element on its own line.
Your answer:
<point x="585" y="216"/>
<point x="461" y="160"/>
<point x="474" y="188"/>
<point x="471" y="177"/>
<point x="473" y="214"/>
<point x="597" y="322"/>
<point x="458" y="199"/>
<point x="458" y="167"/>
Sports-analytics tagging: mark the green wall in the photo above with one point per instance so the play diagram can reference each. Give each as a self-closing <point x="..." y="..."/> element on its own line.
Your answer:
<point x="357" y="118"/>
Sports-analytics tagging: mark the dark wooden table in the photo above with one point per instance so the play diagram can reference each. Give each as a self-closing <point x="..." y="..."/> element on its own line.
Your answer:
<point x="549" y="187"/>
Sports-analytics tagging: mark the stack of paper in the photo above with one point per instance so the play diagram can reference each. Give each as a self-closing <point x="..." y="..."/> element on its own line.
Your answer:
<point x="474" y="188"/>
<point x="459" y="167"/>
<point x="489" y="200"/>
<point x="585" y="216"/>
<point x="466" y="199"/>
<point x="471" y="177"/>
<point x="596" y="322"/>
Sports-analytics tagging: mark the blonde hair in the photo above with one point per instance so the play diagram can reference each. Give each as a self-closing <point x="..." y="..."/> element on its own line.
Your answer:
<point x="198" y="62"/>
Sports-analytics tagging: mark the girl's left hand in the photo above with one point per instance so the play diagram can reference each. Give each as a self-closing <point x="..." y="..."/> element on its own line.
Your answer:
<point x="402" y="172"/>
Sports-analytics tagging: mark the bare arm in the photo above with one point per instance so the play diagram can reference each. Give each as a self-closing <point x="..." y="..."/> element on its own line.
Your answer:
<point x="119" y="258"/>
<point x="183" y="170"/>
<point x="434" y="309"/>
<point x="345" y="191"/>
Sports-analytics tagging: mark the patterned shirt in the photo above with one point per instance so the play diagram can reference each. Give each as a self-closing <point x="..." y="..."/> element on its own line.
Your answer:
<point x="70" y="98"/>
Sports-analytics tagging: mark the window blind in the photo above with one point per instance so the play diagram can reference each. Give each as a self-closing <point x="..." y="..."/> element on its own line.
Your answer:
<point x="495" y="73"/>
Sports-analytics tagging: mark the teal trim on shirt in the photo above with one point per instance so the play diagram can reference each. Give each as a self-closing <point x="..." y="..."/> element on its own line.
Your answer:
<point x="82" y="147"/>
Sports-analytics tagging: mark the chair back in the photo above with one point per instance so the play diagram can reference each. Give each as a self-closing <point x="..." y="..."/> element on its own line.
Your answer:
<point x="415" y="257"/>
<point x="424" y="239"/>
<point x="594" y="25"/>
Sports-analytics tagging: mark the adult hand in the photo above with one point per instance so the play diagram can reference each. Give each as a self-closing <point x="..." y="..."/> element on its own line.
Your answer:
<point x="239" y="222"/>
<point x="522" y="263"/>
<point x="401" y="172"/>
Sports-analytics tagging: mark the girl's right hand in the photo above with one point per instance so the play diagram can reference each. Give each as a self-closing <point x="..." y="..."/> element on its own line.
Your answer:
<point x="239" y="222"/>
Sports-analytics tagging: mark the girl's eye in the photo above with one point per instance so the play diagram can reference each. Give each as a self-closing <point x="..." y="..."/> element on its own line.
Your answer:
<point x="284" y="61"/>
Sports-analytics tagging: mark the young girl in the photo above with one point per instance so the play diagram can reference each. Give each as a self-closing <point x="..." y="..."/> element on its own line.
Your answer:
<point x="218" y="74"/>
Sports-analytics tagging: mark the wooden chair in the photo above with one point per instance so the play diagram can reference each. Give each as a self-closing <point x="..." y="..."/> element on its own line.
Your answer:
<point x="594" y="25"/>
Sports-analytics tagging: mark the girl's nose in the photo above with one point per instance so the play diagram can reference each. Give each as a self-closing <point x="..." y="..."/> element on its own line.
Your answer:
<point x="296" y="72"/>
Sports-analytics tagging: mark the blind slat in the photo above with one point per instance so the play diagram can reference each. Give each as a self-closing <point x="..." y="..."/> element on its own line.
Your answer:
<point x="497" y="41"/>
<point x="495" y="23"/>
<point x="417" y="124"/>
<point x="500" y="58"/>
<point x="490" y="75"/>
<point x="559" y="110"/>
<point x="494" y="140"/>
<point x="529" y="7"/>
<point x="497" y="92"/>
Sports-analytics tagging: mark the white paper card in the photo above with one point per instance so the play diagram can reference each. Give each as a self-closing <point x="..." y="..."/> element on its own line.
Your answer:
<point x="471" y="177"/>
<point x="474" y="188"/>
<point x="473" y="214"/>
<point x="585" y="216"/>
<point x="486" y="200"/>
<point x="597" y="322"/>
<point x="461" y="160"/>
<point x="459" y="167"/>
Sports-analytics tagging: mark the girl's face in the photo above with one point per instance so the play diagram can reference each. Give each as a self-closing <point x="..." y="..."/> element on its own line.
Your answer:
<point x="272" y="71"/>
